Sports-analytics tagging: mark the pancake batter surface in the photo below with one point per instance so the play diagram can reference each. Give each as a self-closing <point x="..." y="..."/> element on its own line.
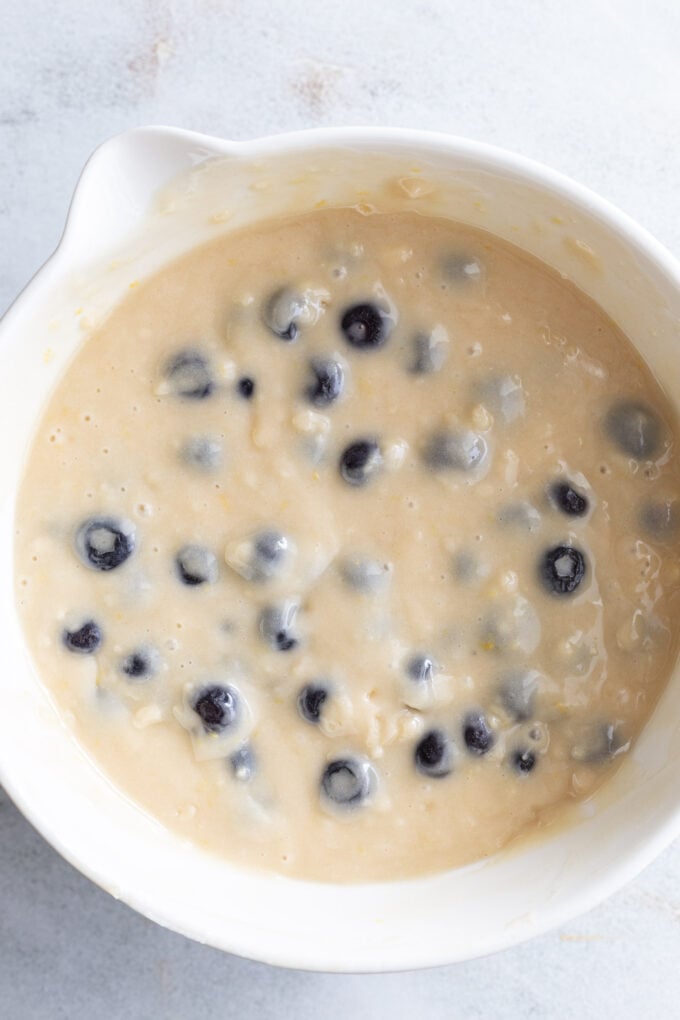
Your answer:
<point x="349" y="545"/>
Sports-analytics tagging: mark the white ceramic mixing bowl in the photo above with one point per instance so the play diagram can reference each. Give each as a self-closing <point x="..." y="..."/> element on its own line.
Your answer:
<point x="144" y="197"/>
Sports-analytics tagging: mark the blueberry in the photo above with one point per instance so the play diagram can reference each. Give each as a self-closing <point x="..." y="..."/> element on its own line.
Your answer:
<point x="311" y="700"/>
<point x="105" y="543"/>
<point x="460" y="268"/>
<point x="259" y="557"/>
<point x="217" y="706"/>
<point x="246" y="387"/>
<point x="328" y="379"/>
<point x="196" y="565"/>
<point x="562" y="569"/>
<point x="270" y="548"/>
<point x="597" y="742"/>
<point x="135" y="665"/>
<point x="524" y="761"/>
<point x="202" y="452"/>
<point x="634" y="428"/>
<point x="518" y="689"/>
<point x="522" y="516"/>
<point x="567" y="499"/>
<point x="365" y="575"/>
<point x="420" y="668"/>
<point x="365" y="326"/>
<point x="456" y="450"/>
<point x="503" y="395"/>
<point x="429" y="351"/>
<point x="477" y="734"/>
<point x="468" y="568"/>
<point x="277" y="626"/>
<point x="433" y="755"/>
<point x="190" y="376"/>
<point x="282" y="313"/>
<point x="347" y="782"/>
<point x="139" y="664"/>
<point x="85" y="640"/>
<point x="243" y="764"/>
<point x="360" y="461"/>
<point x="661" y="520"/>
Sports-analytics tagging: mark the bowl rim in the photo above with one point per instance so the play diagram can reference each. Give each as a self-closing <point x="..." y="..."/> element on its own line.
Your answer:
<point x="631" y="860"/>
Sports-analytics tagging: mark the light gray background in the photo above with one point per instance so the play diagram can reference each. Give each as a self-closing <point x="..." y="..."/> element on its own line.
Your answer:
<point x="589" y="86"/>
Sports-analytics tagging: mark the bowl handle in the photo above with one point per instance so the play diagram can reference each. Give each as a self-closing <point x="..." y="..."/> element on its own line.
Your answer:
<point x="119" y="181"/>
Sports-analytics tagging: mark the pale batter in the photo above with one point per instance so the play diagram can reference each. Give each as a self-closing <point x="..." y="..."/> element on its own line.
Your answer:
<point x="349" y="545"/>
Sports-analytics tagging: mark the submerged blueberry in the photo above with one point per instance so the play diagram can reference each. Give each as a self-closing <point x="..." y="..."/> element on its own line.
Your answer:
<point x="562" y="569"/>
<point x="243" y="764"/>
<point x="518" y="689"/>
<point x="196" y="565"/>
<point x="328" y="379"/>
<point x="420" y="668"/>
<point x="282" y="313"/>
<point x="85" y="640"/>
<point x="259" y="557"/>
<point x="433" y="755"/>
<point x="597" y="742"/>
<point x="202" y="452"/>
<point x="521" y="516"/>
<point x="661" y="520"/>
<point x="461" y="268"/>
<point x="468" y="567"/>
<point x="347" y="782"/>
<point x="277" y="626"/>
<point x="105" y="543"/>
<point x="524" y="760"/>
<point x="365" y="326"/>
<point x="311" y="700"/>
<point x="217" y="706"/>
<point x="360" y="461"/>
<point x="140" y="664"/>
<point x="567" y="499"/>
<point x="502" y="394"/>
<point x="477" y="733"/>
<point x="269" y="551"/>
<point x="189" y="375"/>
<point x="456" y="450"/>
<point x="634" y="428"/>
<point x="371" y="577"/>
<point x="429" y="351"/>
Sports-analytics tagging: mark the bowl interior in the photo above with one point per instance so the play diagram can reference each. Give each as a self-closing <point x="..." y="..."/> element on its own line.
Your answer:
<point x="146" y="197"/>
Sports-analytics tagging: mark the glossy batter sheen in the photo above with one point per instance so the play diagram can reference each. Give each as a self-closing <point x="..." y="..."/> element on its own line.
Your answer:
<point x="391" y="568"/>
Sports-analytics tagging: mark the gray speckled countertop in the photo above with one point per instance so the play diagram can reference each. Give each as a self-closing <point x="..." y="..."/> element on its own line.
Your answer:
<point x="591" y="87"/>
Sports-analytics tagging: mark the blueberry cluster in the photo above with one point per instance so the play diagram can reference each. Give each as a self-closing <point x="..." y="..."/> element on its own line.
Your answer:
<point x="350" y="781"/>
<point x="219" y="709"/>
<point x="105" y="543"/>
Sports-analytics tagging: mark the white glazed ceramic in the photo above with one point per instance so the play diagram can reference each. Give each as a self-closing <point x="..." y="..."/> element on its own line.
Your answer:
<point x="144" y="197"/>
